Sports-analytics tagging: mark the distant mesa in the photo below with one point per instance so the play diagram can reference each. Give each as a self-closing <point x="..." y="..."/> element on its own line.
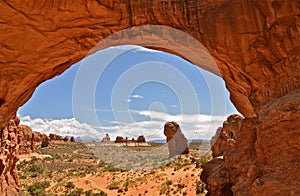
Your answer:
<point x="177" y="142"/>
<point x="55" y="137"/>
<point x="124" y="141"/>
<point x="120" y="139"/>
<point x="141" y="138"/>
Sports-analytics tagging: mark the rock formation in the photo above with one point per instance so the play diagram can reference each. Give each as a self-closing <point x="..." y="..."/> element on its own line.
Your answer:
<point x="55" y="137"/>
<point x="106" y="138"/>
<point x="177" y="143"/>
<point x="120" y="139"/>
<point x="216" y="178"/>
<point x="9" y="156"/>
<point x="72" y="139"/>
<point x="45" y="142"/>
<point x="226" y="136"/>
<point x="26" y="140"/>
<point x="141" y="138"/>
<point x="38" y="137"/>
<point x="256" y="45"/>
<point x="66" y="139"/>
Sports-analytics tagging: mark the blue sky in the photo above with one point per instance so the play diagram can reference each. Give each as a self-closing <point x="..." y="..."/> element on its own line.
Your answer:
<point x="136" y="93"/>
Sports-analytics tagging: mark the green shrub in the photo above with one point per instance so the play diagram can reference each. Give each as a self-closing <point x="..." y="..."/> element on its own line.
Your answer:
<point x="200" y="187"/>
<point x="152" y="172"/>
<point x="169" y="182"/>
<point x="21" y="164"/>
<point x="38" y="188"/>
<point x="113" y="185"/>
<point x="76" y="192"/>
<point x="163" y="189"/>
<point x="70" y="185"/>
<point x="33" y="159"/>
<point x="88" y="193"/>
<point x="34" y="170"/>
<point x="111" y="168"/>
<point x="101" y="193"/>
<point x="101" y="164"/>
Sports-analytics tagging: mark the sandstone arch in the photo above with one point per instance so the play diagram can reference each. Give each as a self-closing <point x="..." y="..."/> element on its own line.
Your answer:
<point x="254" y="43"/>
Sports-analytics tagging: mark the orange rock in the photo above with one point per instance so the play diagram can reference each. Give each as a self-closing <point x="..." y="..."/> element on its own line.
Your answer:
<point x="255" y="45"/>
<point x="10" y="140"/>
<point x="141" y="138"/>
<point x="55" y="137"/>
<point x="72" y="139"/>
<point x="177" y="143"/>
<point x="226" y="136"/>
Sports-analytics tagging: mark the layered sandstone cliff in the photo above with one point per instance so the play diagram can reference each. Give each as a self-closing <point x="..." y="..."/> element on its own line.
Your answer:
<point x="256" y="45"/>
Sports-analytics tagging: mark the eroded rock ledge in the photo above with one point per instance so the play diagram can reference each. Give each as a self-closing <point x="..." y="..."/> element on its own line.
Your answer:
<point x="263" y="157"/>
<point x="256" y="45"/>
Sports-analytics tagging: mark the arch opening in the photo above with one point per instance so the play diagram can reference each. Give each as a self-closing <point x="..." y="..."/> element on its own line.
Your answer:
<point x="134" y="96"/>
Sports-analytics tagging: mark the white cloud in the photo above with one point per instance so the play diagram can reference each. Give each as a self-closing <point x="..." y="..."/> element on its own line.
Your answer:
<point x="63" y="127"/>
<point x="128" y="100"/>
<point x="173" y="106"/>
<point x="137" y="96"/>
<point x="139" y="48"/>
<point x="194" y="126"/>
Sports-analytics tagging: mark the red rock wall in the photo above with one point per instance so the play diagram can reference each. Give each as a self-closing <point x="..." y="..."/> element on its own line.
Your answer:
<point x="255" y="44"/>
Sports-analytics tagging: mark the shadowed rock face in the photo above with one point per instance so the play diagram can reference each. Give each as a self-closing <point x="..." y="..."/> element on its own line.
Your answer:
<point x="177" y="143"/>
<point x="141" y="138"/>
<point x="26" y="140"/>
<point x="254" y="43"/>
<point x="54" y="137"/>
<point x="226" y="136"/>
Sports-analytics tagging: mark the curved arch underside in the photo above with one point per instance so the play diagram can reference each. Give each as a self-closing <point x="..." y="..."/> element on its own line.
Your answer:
<point x="250" y="41"/>
<point x="255" y="45"/>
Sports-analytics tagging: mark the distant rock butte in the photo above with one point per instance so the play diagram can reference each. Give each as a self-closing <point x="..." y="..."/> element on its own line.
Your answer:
<point x="140" y="139"/>
<point x="72" y="139"/>
<point x="55" y="137"/>
<point x="106" y="138"/>
<point x="120" y="139"/>
<point x="177" y="143"/>
<point x="255" y="44"/>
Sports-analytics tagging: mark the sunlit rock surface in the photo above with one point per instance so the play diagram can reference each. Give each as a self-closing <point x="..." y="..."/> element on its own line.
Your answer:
<point x="254" y="43"/>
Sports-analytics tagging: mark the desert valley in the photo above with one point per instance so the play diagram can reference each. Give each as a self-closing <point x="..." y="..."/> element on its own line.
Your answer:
<point x="56" y="165"/>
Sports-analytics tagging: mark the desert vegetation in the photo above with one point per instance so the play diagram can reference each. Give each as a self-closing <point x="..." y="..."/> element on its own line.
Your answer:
<point x="75" y="169"/>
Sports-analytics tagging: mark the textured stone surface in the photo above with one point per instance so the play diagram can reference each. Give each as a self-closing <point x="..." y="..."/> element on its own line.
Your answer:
<point x="45" y="142"/>
<point x="141" y="138"/>
<point x="26" y="140"/>
<point x="264" y="158"/>
<point x="177" y="143"/>
<point x="56" y="137"/>
<point x="254" y="43"/>
<point x="9" y="156"/>
<point x="216" y="178"/>
<point x="226" y="136"/>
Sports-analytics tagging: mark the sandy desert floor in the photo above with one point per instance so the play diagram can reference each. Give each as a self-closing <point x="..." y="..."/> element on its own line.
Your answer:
<point x="75" y="169"/>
